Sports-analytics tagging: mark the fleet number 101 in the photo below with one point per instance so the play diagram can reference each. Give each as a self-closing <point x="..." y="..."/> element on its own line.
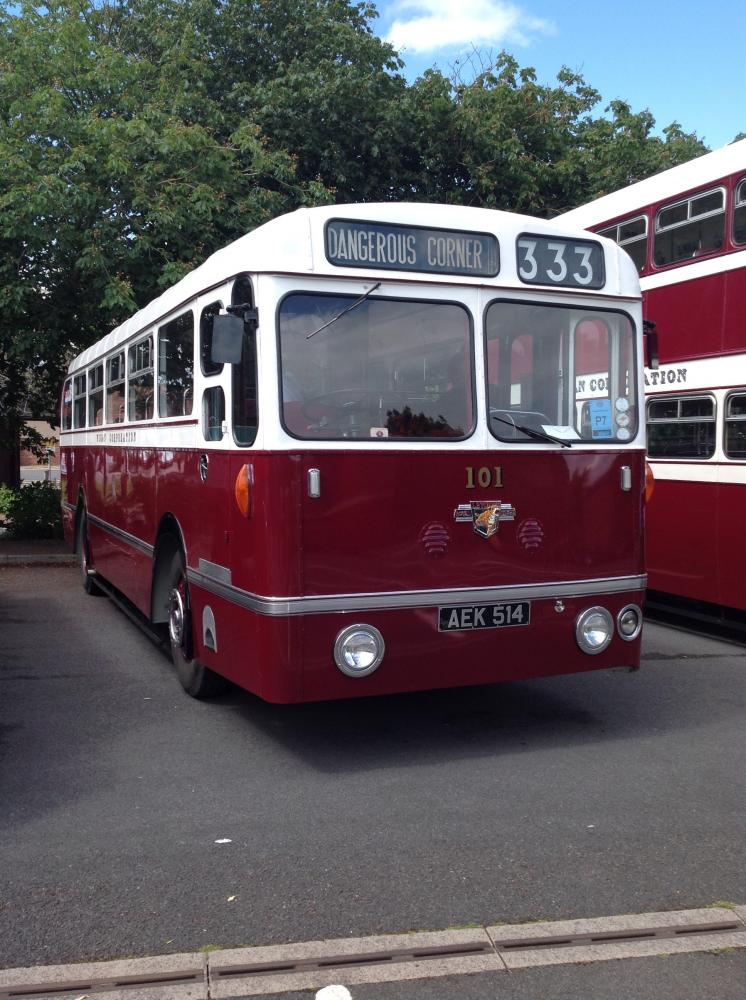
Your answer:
<point x="484" y="477"/>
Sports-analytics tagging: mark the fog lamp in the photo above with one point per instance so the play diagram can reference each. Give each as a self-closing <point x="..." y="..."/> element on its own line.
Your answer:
<point x="629" y="622"/>
<point x="593" y="630"/>
<point x="358" y="650"/>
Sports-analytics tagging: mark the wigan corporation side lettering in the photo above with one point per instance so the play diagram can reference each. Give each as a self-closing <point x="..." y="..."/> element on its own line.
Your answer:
<point x="405" y="248"/>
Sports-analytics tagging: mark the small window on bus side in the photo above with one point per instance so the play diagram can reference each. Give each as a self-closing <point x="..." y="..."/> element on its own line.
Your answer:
<point x="213" y="414"/>
<point x="96" y="396"/>
<point x="681" y="427"/>
<point x="115" y="389"/>
<point x="244" y="408"/>
<point x="632" y="236"/>
<point x="176" y="367"/>
<point x="209" y="367"/>
<point x="739" y="214"/>
<point x="79" y="401"/>
<point x="735" y="426"/>
<point x="690" y="228"/>
<point x="66" y="416"/>
<point x="140" y="393"/>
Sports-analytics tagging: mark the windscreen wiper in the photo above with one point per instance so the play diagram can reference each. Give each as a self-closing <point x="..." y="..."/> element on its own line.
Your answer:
<point x="532" y="432"/>
<point x="344" y="312"/>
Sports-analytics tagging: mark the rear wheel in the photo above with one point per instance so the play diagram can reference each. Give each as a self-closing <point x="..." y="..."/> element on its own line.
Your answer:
<point x="196" y="679"/>
<point x="87" y="573"/>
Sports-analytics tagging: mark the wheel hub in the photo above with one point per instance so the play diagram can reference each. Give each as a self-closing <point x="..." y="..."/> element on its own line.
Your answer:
<point x="176" y="618"/>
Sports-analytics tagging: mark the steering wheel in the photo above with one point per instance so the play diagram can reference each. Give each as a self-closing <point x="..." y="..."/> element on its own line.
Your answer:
<point x="340" y="409"/>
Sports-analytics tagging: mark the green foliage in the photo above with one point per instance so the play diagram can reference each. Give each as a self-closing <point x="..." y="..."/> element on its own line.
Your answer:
<point x="33" y="511"/>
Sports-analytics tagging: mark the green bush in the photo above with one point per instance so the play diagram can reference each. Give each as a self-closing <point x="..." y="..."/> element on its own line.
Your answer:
<point x="33" y="511"/>
<point x="6" y="494"/>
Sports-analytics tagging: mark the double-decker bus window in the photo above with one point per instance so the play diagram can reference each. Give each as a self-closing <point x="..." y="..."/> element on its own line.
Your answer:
<point x="552" y="370"/>
<point x="67" y="406"/>
<point x="379" y="369"/>
<point x="140" y="393"/>
<point x="96" y="395"/>
<point x="213" y="413"/>
<point x="632" y="235"/>
<point x="176" y="367"/>
<point x="79" y="401"/>
<point x="115" y="389"/>
<point x="681" y="427"/>
<point x="209" y="367"/>
<point x="690" y="228"/>
<point x="735" y="426"/>
<point x="739" y="214"/>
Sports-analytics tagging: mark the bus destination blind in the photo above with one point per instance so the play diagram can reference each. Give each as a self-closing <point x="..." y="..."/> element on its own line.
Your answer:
<point x="350" y="243"/>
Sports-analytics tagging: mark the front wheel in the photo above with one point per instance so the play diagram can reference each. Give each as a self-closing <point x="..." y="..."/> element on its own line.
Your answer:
<point x="196" y="679"/>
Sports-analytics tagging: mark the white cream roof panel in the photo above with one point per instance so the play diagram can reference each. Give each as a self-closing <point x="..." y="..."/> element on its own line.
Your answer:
<point x="294" y="244"/>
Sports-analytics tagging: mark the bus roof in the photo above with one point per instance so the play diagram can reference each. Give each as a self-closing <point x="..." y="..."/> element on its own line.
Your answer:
<point x="662" y="186"/>
<point x="294" y="244"/>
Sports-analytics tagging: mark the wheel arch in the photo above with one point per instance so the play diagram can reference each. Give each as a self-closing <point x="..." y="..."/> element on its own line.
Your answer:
<point x="169" y="541"/>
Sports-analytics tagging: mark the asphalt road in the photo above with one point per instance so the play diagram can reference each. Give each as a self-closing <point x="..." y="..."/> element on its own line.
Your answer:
<point x="569" y="797"/>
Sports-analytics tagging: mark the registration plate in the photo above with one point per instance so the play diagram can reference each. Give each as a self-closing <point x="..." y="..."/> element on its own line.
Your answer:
<point x="472" y="616"/>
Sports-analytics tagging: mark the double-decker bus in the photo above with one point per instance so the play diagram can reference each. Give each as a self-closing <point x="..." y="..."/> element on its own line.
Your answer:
<point x="358" y="452"/>
<point x="685" y="229"/>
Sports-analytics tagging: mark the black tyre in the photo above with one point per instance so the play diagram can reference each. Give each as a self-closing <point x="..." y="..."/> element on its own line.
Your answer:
<point x="83" y="547"/>
<point x="196" y="679"/>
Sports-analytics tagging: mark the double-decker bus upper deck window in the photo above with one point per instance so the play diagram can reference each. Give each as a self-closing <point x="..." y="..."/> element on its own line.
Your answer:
<point x="79" y="401"/>
<point x="66" y="421"/>
<point x="243" y="381"/>
<point x="690" y="228"/>
<point x="739" y="214"/>
<point x="379" y="368"/>
<point x="560" y="371"/>
<point x="176" y="367"/>
<point x="140" y="390"/>
<point x="735" y="426"/>
<point x="209" y="367"/>
<point x="96" y="395"/>
<point x="632" y="235"/>
<point x="115" y="389"/>
<point x="681" y="427"/>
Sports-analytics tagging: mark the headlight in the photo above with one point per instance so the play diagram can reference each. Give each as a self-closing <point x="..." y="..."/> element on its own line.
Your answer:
<point x="358" y="650"/>
<point x="629" y="622"/>
<point x="593" y="630"/>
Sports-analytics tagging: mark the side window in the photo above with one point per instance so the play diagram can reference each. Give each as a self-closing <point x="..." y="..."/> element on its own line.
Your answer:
<point x="96" y="396"/>
<point x="140" y="395"/>
<point x="632" y="235"/>
<point x="213" y="414"/>
<point x="79" y="401"/>
<point x="66" y="415"/>
<point x="739" y="214"/>
<point x="244" y="409"/>
<point x="176" y="367"/>
<point x="735" y="426"/>
<point x="681" y="427"/>
<point x="690" y="228"/>
<point x="115" y="389"/>
<point x="205" y="339"/>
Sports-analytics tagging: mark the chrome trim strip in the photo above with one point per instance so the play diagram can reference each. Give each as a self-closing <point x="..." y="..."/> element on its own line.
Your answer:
<point x="216" y="572"/>
<point x="123" y="536"/>
<point x="328" y="603"/>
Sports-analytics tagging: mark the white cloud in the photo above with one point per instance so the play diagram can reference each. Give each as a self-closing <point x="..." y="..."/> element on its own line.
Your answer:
<point x="423" y="26"/>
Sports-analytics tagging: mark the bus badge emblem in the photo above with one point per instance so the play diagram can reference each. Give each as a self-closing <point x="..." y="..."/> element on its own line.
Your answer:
<point x="485" y="517"/>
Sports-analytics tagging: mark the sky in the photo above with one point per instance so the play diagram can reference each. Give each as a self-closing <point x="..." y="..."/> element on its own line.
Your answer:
<point x="682" y="61"/>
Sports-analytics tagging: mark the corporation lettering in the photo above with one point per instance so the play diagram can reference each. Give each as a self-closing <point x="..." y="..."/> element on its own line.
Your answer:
<point x="411" y="248"/>
<point x="666" y="376"/>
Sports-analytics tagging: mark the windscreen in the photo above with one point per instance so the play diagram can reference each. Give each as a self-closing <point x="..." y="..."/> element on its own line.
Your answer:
<point x="375" y="368"/>
<point x="559" y="371"/>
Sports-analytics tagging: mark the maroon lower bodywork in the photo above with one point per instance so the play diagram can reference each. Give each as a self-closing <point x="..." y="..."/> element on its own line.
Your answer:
<point x="383" y="523"/>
